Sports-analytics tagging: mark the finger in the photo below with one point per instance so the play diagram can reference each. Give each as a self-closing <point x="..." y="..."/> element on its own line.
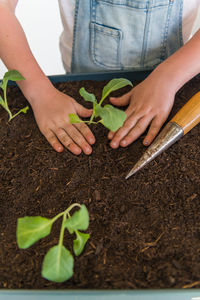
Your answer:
<point x="86" y="132"/>
<point x="121" y="101"/>
<point x="67" y="141"/>
<point x="155" y="126"/>
<point x="78" y="138"/>
<point x="124" y="130"/>
<point x="82" y="111"/>
<point x="111" y="135"/>
<point x="136" y="131"/>
<point x="53" y="141"/>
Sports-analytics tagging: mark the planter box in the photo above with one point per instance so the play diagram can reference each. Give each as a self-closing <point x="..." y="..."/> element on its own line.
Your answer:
<point x="193" y="194"/>
<point x="107" y="295"/>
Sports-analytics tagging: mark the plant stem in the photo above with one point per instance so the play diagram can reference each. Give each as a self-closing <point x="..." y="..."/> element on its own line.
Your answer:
<point x="103" y="98"/>
<point x="4" y="94"/>
<point x="62" y="231"/>
<point x="90" y="122"/>
<point x="91" y="119"/>
<point x="101" y="101"/>
<point x="6" y="103"/>
<point x="13" y="116"/>
<point x="65" y="212"/>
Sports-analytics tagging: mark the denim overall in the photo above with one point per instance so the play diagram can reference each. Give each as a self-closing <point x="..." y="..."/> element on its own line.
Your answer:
<point x="125" y="34"/>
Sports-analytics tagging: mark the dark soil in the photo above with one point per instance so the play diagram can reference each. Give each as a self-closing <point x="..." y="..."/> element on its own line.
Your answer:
<point x="145" y="231"/>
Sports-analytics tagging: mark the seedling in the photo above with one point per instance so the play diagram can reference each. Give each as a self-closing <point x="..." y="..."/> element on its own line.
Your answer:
<point x="58" y="262"/>
<point x="111" y="117"/>
<point x="12" y="75"/>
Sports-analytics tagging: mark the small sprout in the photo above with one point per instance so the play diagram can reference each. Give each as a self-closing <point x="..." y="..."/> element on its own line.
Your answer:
<point x="58" y="263"/>
<point x="111" y="117"/>
<point x="12" y="75"/>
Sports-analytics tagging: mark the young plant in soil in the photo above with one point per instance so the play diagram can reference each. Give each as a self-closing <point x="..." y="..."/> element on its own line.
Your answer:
<point x="12" y="75"/>
<point x="58" y="262"/>
<point x="111" y="117"/>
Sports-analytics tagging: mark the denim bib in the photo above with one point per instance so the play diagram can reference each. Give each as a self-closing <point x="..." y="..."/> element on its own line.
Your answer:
<point x="125" y="34"/>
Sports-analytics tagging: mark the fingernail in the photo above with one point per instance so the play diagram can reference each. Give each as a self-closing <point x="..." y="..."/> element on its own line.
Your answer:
<point x="78" y="152"/>
<point x="123" y="143"/>
<point x="146" y="143"/>
<point x="113" y="145"/>
<point x="88" y="150"/>
<point x="59" y="148"/>
<point x="92" y="140"/>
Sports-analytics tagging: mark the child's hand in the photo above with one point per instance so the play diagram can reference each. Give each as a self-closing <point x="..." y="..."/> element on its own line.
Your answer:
<point x="150" y="103"/>
<point x="51" y="114"/>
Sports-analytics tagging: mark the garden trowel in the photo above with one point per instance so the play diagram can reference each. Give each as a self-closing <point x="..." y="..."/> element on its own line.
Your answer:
<point x="185" y="119"/>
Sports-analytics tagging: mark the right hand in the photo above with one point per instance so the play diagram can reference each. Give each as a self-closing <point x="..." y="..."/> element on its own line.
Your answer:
<point x="52" y="116"/>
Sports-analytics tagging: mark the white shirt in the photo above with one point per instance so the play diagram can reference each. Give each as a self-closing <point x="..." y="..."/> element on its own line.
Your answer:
<point x="67" y="7"/>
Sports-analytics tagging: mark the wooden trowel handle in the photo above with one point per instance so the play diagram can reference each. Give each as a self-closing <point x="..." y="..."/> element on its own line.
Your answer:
<point x="189" y="115"/>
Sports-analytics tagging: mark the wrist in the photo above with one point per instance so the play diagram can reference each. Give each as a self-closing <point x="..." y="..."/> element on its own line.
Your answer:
<point x="169" y="75"/>
<point x="36" y="89"/>
<point x="183" y="65"/>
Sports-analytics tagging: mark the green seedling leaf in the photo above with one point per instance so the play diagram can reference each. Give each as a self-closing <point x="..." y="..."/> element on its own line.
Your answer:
<point x="112" y="118"/>
<point x="87" y="96"/>
<point x="74" y="119"/>
<point x="114" y="85"/>
<point x="79" y="242"/>
<point x="79" y="220"/>
<point x="12" y="75"/>
<point x="58" y="264"/>
<point x="32" y="229"/>
<point x="24" y="110"/>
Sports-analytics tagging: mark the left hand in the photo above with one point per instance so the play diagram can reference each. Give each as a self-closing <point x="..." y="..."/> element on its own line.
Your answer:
<point x="149" y="103"/>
